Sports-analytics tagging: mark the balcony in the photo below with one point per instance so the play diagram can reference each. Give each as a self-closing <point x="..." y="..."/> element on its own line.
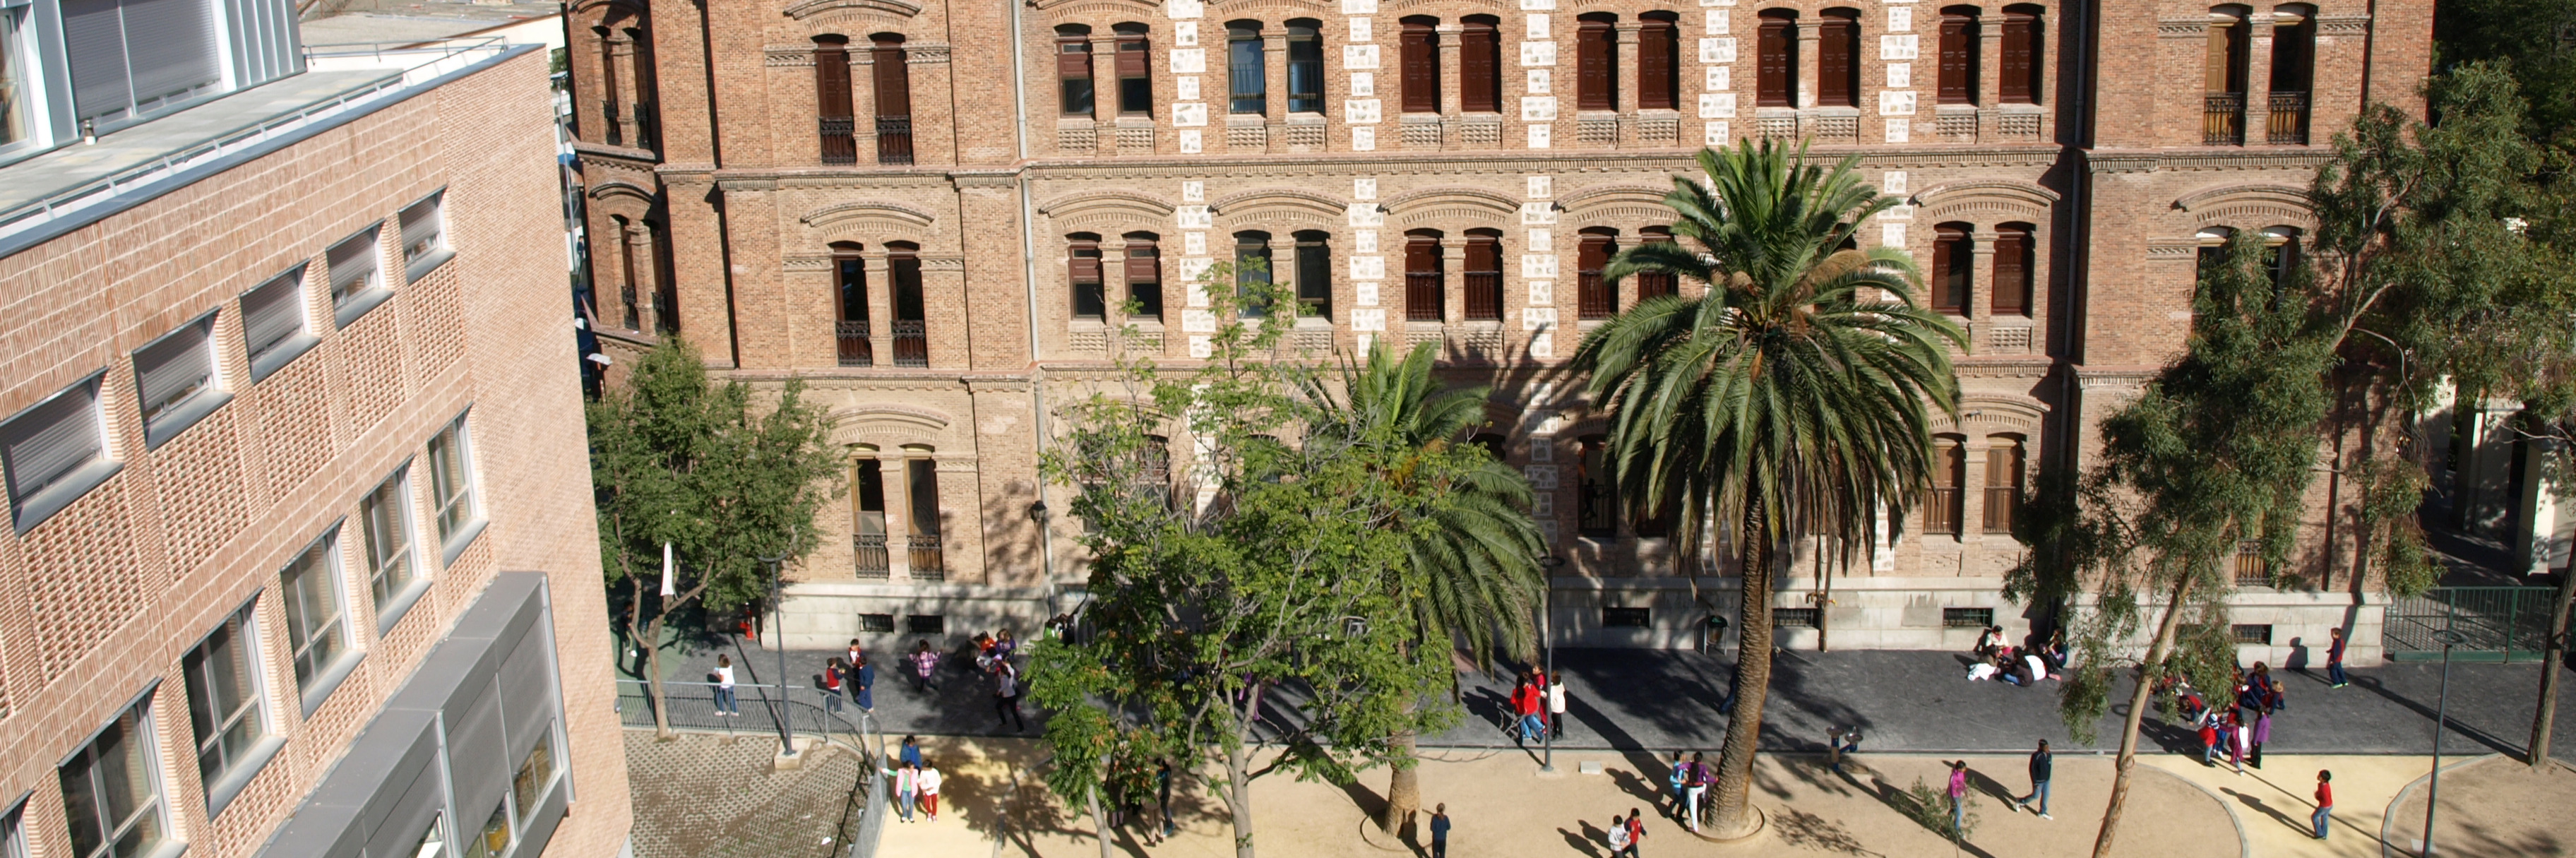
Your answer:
<point x="856" y="351"/>
<point x="868" y="553"/>
<point x="911" y="342"/>
<point x="839" y="147"/>
<point x="2289" y="123"/>
<point x="929" y="561"/>
<point x="894" y="140"/>
<point x="2222" y="119"/>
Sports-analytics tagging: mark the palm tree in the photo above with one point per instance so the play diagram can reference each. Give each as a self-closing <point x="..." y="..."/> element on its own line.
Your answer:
<point x="1478" y="556"/>
<point x="1792" y="398"/>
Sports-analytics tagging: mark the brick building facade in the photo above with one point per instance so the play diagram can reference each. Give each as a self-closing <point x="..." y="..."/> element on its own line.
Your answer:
<point x="288" y="410"/>
<point x="938" y="213"/>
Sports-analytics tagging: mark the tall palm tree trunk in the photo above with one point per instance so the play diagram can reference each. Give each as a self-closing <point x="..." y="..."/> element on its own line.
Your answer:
<point x="2137" y="710"/>
<point x="1404" y="783"/>
<point x="1732" y="816"/>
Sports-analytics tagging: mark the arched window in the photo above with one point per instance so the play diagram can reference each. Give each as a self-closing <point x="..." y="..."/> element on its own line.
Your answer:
<point x="850" y="304"/>
<point x="2012" y="287"/>
<point x="1154" y="469"/>
<point x="868" y="513"/>
<point x="1942" y="505"/>
<point x="1424" y="281"/>
<point x="2294" y="58"/>
<point x="1838" y="58"/>
<point x="1314" y="274"/>
<point x="1246" y="86"/>
<point x="1659" y="45"/>
<point x="1073" y="69"/>
<point x="613" y="51"/>
<point x="1144" y="269"/>
<point x="1480" y="65"/>
<point x="832" y="94"/>
<point x="921" y="482"/>
<point x="1135" y="70"/>
<point x="1954" y="257"/>
<point x="2281" y="252"/>
<point x="2024" y="48"/>
<point x="1252" y="274"/>
<point x="1418" y="47"/>
<point x="1082" y="262"/>
<point x="894" y="99"/>
<point x="1775" y="62"/>
<point x="1594" y="296"/>
<point x="2213" y="246"/>
<point x="2004" y="465"/>
<point x="1484" y="275"/>
<point x="1596" y="62"/>
<point x="1305" y="66"/>
<point x="911" y="328"/>
<point x="1597" y="498"/>
<point x="1959" y="49"/>
<point x="1655" y="284"/>
<point x="2223" y="76"/>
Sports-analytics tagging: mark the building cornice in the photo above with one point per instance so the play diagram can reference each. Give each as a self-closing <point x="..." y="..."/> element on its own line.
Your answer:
<point x="2100" y="161"/>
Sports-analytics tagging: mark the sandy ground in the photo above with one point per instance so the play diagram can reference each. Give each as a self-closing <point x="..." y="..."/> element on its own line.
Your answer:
<point x="2494" y="806"/>
<point x="1503" y="806"/>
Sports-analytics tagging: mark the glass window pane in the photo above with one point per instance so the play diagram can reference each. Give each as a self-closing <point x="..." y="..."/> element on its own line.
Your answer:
<point x="310" y="588"/>
<point x="384" y="519"/>
<point x="535" y="774"/>
<point x="223" y="697"/>
<point x="111" y="801"/>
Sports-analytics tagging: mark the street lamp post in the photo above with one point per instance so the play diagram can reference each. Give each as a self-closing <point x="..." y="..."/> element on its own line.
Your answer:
<point x="778" y="638"/>
<point x="1547" y="635"/>
<point x="2441" y="720"/>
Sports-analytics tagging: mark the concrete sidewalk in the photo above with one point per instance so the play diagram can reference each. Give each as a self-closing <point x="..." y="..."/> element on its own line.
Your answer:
<point x="1902" y="701"/>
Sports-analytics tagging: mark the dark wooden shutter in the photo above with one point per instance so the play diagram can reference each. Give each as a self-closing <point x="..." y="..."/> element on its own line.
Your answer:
<point x="1958" y="59"/>
<point x="1131" y="57"/>
<point x="1775" y="63"/>
<point x="1086" y="262"/>
<point x="1595" y="297"/>
<point x="2021" y="58"/>
<point x="1596" y="50"/>
<point x="1423" y="286"/>
<point x="893" y="80"/>
<point x="832" y="80"/>
<point x="1480" y="82"/>
<point x="1951" y="257"/>
<point x="1073" y="74"/>
<point x="2012" y="284"/>
<point x="1420" y="45"/>
<point x="1144" y="269"/>
<point x="1484" y="277"/>
<point x="1838" y="62"/>
<point x="1657" y="42"/>
<point x="1650" y="284"/>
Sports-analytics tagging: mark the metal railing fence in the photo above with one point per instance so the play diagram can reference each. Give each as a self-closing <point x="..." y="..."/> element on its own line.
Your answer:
<point x="693" y="707"/>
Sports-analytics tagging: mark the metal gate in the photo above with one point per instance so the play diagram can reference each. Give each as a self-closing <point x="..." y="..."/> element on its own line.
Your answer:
<point x="2501" y="623"/>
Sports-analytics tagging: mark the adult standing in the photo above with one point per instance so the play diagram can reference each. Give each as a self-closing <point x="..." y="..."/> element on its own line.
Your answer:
<point x="1006" y="698"/>
<point x="1958" y="797"/>
<point x="865" y="687"/>
<point x="2334" y="660"/>
<point x="2041" y="763"/>
<point x="1163" y="793"/>
<point x="1556" y="704"/>
<point x="2325" y="801"/>
<point x="725" y="702"/>
<point x="1695" y="789"/>
<point x="929" y="780"/>
<point x="1440" y="831"/>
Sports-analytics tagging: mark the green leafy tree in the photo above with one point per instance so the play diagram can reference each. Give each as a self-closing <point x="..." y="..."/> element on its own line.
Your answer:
<point x="1794" y="396"/>
<point x="1239" y="602"/>
<point x="1476" y="547"/>
<point x="679" y="460"/>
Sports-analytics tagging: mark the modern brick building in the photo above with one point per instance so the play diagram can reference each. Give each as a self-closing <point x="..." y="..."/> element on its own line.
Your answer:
<point x="935" y="213"/>
<point x="301" y="561"/>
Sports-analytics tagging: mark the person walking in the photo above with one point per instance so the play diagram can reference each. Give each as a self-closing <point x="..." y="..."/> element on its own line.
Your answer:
<point x="1679" y="778"/>
<point x="2325" y="801"/>
<point x="924" y="663"/>
<point x="1006" y="698"/>
<point x="2209" y="738"/>
<point x="1696" y="789"/>
<point x="1556" y="704"/>
<point x="726" y="705"/>
<point x="2334" y="660"/>
<point x="1958" y="797"/>
<point x="1636" y="830"/>
<point x="1440" y="831"/>
<point x="865" y="688"/>
<point x="907" y="788"/>
<point x="1163" y="794"/>
<point x="1840" y="742"/>
<point x="929" y="780"/>
<point x="2040" y="765"/>
<point x="1618" y="836"/>
<point x="832" y="685"/>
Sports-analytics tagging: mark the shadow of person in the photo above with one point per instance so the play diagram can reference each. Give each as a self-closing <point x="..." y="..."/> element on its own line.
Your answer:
<point x="1588" y="840"/>
<point x="2268" y="810"/>
<point x="1635" y="785"/>
<point x="1981" y="782"/>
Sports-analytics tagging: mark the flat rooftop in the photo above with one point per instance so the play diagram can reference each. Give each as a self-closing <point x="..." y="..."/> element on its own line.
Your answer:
<point x="412" y="23"/>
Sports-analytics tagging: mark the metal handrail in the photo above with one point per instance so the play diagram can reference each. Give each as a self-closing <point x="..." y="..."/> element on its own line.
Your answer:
<point x="807" y="713"/>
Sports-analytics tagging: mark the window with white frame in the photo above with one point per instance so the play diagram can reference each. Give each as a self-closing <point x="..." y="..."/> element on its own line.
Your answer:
<point x="357" y="282"/>
<point x="424" y="235"/>
<point x="451" y="482"/>
<point x="224" y="705"/>
<point x="112" y="790"/>
<point x="54" y="452"/>
<point x="317" y="626"/>
<point x="174" y="380"/>
<point x="384" y="523"/>
<point x="274" y="328"/>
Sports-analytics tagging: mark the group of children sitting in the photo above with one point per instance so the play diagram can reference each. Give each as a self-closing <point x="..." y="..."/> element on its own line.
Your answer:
<point x="2017" y="665"/>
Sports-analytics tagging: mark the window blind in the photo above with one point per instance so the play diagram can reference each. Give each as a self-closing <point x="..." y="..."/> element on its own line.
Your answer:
<point x="527" y="694"/>
<point x="173" y="368"/>
<point x="170" y="48"/>
<point x="424" y="227"/>
<point x="94" y="43"/>
<point x="1144" y="268"/>
<point x="51" y="440"/>
<point x="273" y="313"/>
<point x="353" y="266"/>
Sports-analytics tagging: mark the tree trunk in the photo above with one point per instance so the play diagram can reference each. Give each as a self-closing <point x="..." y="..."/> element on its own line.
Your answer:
<point x="1238" y="796"/>
<point x="2552" y="661"/>
<point x="2138" y="710"/>
<point x="1098" y="822"/>
<point x="653" y="678"/>
<point x="1404" y="781"/>
<point x="1732" y="816"/>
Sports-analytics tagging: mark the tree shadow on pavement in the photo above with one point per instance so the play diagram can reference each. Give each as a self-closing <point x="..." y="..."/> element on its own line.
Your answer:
<point x="1640" y="758"/>
<point x="1812" y="706"/>
<point x="1805" y="830"/>
<point x="1896" y="800"/>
